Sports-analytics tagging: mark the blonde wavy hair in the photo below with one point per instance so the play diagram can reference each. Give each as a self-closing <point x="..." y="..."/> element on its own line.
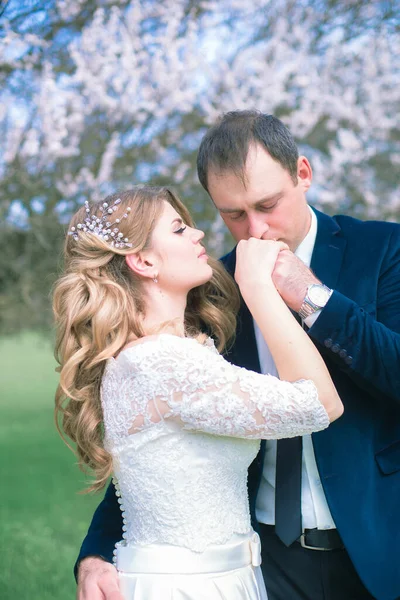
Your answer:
<point x="98" y="306"/>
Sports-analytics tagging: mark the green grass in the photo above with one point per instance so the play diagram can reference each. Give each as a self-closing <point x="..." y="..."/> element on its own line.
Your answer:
<point x="43" y="519"/>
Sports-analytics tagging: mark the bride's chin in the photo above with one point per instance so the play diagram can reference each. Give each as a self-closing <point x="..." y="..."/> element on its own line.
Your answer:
<point x="211" y="273"/>
<point x="205" y="279"/>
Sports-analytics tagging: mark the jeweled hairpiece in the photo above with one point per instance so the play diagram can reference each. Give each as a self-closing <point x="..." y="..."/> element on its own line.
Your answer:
<point x="102" y="226"/>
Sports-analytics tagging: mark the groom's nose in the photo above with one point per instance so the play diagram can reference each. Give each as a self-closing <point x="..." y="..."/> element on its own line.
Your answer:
<point x="257" y="227"/>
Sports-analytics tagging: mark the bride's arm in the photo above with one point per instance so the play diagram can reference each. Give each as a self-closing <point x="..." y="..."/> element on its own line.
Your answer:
<point x="179" y="380"/>
<point x="294" y="353"/>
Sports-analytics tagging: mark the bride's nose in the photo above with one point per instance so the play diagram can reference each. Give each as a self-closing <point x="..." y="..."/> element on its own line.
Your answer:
<point x="197" y="235"/>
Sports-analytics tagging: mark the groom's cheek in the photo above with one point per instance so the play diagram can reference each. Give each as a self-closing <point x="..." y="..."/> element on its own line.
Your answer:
<point x="238" y="230"/>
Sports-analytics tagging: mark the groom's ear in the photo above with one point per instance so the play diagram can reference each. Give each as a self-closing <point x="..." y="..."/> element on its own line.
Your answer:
<point x="304" y="173"/>
<point x="141" y="264"/>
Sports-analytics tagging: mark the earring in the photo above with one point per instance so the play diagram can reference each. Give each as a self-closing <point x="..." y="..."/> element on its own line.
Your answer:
<point x="155" y="278"/>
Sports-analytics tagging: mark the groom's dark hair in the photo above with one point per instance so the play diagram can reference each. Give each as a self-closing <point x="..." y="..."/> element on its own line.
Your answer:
<point x="226" y="144"/>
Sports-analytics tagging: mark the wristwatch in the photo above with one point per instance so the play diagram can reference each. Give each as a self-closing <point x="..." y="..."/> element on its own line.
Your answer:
<point x="316" y="298"/>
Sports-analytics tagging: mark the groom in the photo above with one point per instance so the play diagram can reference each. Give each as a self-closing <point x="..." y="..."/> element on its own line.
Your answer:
<point x="327" y="505"/>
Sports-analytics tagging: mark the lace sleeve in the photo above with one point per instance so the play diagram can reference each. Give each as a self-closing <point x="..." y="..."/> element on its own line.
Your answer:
<point x="179" y="379"/>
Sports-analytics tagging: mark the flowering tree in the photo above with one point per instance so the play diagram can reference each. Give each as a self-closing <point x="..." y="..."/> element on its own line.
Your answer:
<point x="97" y="95"/>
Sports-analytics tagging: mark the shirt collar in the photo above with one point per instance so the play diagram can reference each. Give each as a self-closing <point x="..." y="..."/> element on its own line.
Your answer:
<point x="305" y="249"/>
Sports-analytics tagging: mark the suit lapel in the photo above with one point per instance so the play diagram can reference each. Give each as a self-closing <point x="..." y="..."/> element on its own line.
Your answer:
<point x="328" y="251"/>
<point x="245" y="348"/>
<point x="244" y="352"/>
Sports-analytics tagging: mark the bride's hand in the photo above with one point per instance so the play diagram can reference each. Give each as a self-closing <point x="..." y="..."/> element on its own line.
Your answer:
<point x="255" y="261"/>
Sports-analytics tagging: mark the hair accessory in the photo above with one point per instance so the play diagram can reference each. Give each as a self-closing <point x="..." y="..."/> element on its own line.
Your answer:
<point x="102" y="226"/>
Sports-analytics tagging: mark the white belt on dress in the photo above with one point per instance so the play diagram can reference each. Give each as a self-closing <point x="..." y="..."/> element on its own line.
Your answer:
<point x="158" y="558"/>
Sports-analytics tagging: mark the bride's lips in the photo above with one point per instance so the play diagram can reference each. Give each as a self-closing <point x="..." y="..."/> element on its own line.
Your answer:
<point x="202" y="254"/>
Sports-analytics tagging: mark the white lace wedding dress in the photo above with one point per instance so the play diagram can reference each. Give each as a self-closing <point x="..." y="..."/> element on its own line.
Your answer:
<point x="183" y="425"/>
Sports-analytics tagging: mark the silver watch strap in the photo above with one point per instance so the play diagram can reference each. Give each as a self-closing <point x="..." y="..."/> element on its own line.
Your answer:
<point x="308" y="307"/>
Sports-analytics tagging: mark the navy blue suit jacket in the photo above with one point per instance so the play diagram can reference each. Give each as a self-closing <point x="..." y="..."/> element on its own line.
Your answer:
<point x="358" y="456"/>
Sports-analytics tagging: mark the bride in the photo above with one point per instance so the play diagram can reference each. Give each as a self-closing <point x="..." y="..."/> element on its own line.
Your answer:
<point x="146" y="396"/>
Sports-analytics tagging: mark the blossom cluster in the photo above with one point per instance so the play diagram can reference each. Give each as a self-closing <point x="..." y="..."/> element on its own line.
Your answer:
<point x="127" y="96"/>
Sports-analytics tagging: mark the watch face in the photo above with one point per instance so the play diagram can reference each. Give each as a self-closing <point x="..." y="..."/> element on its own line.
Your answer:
<point x="318" y="295"/>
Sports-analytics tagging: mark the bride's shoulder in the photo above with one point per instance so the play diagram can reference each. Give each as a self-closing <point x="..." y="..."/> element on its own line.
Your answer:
<point x="210" y="344"/>
<point x="165" y="342"/>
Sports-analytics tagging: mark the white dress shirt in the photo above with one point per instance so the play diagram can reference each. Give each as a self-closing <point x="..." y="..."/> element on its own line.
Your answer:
<point x="314" y="508"/>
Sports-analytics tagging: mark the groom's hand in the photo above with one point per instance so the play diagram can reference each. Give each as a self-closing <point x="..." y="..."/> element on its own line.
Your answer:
<point x="291" y="278"/>
<point x="97" y="580"/>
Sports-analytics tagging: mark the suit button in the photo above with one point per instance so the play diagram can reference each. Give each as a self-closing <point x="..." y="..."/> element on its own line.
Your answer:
<point x="348" y="360"/>
<point x="328" y="343"/>
<point x="335" y="348"/>
<point x="343" y="354"/>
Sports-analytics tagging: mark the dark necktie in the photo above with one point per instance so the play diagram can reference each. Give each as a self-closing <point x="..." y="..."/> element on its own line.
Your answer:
<point x="288" y="489"/>
<point x="289" y="452"/>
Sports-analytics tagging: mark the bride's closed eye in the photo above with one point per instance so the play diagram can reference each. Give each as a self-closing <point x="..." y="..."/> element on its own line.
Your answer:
<point x="181" y="229"/>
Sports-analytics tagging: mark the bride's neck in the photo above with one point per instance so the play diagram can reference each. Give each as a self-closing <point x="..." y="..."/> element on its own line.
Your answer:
<point x="164" y="312"/>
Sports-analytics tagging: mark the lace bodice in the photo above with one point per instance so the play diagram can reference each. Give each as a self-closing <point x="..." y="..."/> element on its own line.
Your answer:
<point x="183" y="425"/>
